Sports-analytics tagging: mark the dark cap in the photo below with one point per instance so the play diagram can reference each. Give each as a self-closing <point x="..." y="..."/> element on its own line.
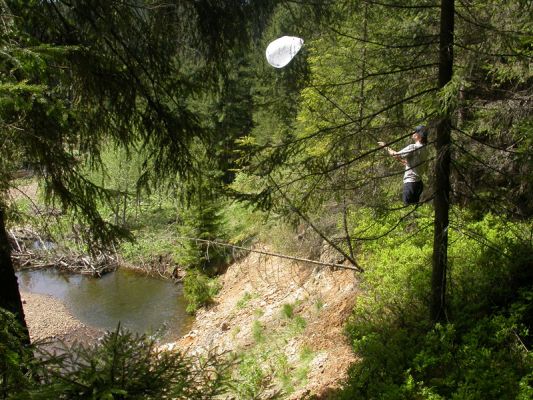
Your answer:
<point x="421" y="130"/>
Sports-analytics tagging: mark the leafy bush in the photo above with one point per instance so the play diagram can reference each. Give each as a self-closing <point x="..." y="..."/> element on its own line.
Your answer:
<point x="199" y="289"/>
<point x="397" y="270"/>
<point x="491" y="263"/>
<point x="486" y="361"/>
<point x="482" y="352"/>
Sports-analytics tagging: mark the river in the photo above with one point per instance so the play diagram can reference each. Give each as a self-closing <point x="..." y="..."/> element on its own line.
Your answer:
<point x="142" y="304"/>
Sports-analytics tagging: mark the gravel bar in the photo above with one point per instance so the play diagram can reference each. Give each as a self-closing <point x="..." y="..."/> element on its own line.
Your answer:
<point x="48" y="319"/>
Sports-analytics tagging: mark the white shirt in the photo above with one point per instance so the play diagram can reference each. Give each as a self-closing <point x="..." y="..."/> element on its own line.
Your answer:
<point x="415" y="156"/>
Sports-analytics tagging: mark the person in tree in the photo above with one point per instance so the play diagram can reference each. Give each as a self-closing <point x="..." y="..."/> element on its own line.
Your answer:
<point x="414" y="158"/>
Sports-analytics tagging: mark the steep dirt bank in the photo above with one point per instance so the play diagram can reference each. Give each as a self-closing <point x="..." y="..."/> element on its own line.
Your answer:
<point x="274" y="308"/>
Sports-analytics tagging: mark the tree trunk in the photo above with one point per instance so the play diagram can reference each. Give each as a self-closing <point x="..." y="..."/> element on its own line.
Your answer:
<point x="442" y="170"/>
<point x="9" y="289"/>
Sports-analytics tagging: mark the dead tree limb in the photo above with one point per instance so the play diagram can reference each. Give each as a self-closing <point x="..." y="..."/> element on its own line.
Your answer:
<point x="268" y="253"/>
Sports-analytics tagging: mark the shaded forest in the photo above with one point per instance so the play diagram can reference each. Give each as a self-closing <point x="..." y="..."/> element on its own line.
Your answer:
<point x="171" y="106"/>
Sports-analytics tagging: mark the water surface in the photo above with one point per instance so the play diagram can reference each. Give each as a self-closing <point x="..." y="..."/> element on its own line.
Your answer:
<point x="141" y="303"/>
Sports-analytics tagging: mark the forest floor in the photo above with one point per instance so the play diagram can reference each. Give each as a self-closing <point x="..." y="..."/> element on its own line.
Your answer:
<point x="275" y="310"/>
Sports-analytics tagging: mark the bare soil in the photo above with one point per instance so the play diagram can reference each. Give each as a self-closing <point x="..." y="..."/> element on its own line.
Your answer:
<point x="320" y="295"/>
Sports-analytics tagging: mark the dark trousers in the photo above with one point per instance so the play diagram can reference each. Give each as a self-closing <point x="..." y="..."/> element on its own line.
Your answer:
<point x="412" y="192"/>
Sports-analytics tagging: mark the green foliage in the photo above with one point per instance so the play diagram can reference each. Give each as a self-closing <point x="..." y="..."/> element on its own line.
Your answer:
<point x="120" y="366"/>
<point x="397" y="265"/>
<point x="72" y="86"/>
<point x="15" y="356"/>
<point x="202" y="219"/>
<point x="291" y="374"/>
<point x="199" y="289"/>
<point x="251" y="378"/>
<point x="283" y="373"/>
<point x="287" y="311"/>
<point x="154" y="228"/>
<point x="306" y="356"/>
<point x="119" y="172"/>
<point x="319" y="304"/>
<point x="492" y="264"/>
<point x="243" y="301"/>
<point x="258" y="332"/>
<point x="242" y="222"/>
<point x="486" y="360"/>
<point x="266" y="364"/>
<point x="482" y="352"/>
<point x="306" y="353"/>
<point x="297" y="323"/>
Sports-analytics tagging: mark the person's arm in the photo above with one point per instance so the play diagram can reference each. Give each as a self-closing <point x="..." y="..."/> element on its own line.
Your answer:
<point x="392" y="153"/>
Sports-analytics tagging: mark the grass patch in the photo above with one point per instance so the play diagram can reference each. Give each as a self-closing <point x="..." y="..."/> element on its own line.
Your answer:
<point x="258" y="332"/>
<point x="319" y="304"/>
<point x="270" y="354"/>
<point x="287" y="311"/>
<point x="244" y="300"/>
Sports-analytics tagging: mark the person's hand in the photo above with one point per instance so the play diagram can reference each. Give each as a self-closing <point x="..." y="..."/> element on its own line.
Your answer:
<point x="382" y="144"/>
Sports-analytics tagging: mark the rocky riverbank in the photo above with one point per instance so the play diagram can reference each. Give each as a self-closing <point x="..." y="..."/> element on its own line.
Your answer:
<point x="48" y="319"/>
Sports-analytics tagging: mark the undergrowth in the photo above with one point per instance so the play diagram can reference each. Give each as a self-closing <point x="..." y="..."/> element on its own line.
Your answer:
<point x="119" y="366"/>
<point x="199" y="290"/>
<point x="265" y="368"/>
<point x="482" y="351"/>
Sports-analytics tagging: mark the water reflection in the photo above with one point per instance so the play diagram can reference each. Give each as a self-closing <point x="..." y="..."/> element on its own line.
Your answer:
<point x="141" y="304"/>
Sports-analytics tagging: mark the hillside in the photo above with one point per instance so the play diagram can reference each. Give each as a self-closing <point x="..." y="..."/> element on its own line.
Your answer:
<point x="285" y="321"/>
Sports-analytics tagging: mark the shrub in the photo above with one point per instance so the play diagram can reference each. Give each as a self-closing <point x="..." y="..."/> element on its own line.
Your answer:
<point x="120" y="366"/>
<point x="482" y="352"/>
<point x="199" y="289"/>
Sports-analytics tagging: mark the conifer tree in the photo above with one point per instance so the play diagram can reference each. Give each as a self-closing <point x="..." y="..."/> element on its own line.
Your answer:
<point x="75" y="72"/>
<point x="377" y="69"/>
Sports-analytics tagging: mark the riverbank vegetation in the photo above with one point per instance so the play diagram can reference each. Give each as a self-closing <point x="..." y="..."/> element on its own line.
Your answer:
<point x="121" y="365"/>
<point x="173" y="149"/>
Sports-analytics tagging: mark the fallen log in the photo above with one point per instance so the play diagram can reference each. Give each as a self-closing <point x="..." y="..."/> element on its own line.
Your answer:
<point x="55" y="257"/>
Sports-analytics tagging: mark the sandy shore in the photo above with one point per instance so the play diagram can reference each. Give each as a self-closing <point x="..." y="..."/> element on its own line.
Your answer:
<point x="48" y="319"/>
